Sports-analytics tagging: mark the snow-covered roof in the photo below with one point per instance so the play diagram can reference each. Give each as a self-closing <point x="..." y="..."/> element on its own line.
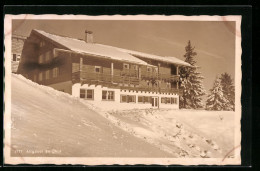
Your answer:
<point x="170" y="59"/>
<point x="115" y="53"/>
<point x="81" y="46"/>
<point x="177" y="61"/>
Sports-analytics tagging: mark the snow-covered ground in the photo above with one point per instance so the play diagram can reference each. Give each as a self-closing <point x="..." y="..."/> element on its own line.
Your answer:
<point x="183" y="133"/>
<point x="46" y="119"/>
<point x="46" y="122"/>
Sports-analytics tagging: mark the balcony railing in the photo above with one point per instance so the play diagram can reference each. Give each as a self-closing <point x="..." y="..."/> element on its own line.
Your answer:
<point x="105" y="78"/>
<point x="161" y="77"/>
<point x="118" y="81"/>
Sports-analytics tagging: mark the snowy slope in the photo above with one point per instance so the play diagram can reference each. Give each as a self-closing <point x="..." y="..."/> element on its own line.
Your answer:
<point x="184" y="133"/>
<point x="46" y="122"/>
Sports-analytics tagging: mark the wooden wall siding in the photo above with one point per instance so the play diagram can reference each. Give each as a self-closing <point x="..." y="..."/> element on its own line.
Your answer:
<point x="143" y="70"/>
<point x="164" y="68"/>
<point x="47" y="47"/>
<point x="17" y="45"/>
<point x="30" y="62"/>
<point x="106" y="70"/>
<point x="75" y="67"/>
<point x="174" y="70"/>
<point x="90" y="62"/>
<point x="165" y="71"/>
<point x="131" y="71"/>
<point x="95" y="61"/>
<point x="117" y="71"/>
<point x="29" y="57"/>
<point x="65" y="71"/>
<point x="163" y="85"/>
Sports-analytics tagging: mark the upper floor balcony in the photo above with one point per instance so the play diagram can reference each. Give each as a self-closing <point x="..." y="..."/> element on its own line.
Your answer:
<point x="124" y="81"/>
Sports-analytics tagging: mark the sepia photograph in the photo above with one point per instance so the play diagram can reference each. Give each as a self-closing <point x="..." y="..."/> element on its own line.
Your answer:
<point x="142" y="89"/>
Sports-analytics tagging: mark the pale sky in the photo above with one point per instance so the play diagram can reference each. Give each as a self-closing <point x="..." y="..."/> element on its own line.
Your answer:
<point x="214" y="41"/>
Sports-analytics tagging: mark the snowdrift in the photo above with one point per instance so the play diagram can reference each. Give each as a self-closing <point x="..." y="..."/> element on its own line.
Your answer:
<point x="46" y="122"/>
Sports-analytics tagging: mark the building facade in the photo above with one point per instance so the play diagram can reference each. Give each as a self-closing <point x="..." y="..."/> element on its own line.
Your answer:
<point x="104" y="75"/>
<point x="16" y="52"/>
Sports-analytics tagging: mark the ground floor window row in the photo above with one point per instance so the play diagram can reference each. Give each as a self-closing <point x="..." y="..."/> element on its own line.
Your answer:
<point x="110" y="96"/>
<point x="169" y="100"/>
<point x="89" y="94"/>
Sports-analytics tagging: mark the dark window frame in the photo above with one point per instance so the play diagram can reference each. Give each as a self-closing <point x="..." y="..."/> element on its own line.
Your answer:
<point x="107" y="95"/>
<point x="84" y="94"/>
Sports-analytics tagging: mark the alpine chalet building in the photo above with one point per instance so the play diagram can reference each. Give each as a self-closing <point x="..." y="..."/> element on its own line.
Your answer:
<point x="101" y="74"/>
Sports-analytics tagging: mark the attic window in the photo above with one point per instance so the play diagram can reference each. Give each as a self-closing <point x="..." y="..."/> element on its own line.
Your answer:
<point x="126" y="66"/>
<point x="41" y="59"/>
<point x="42" y="43"/>
<point x="48" y="56"/>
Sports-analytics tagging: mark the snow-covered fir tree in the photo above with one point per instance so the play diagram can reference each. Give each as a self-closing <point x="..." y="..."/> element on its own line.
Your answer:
<point x="228" y="90"/>
<point x="191" y="82"/>
<point x="216" y="99"/>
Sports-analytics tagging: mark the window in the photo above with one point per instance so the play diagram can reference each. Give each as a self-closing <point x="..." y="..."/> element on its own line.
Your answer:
<point x="42" y="43"/>
<point x="87" y="94"/>
<point x="41" y="59"/>
<point x="108" y="95"/>
<point x="40" y="76"/>
<point x="82" y="93"/>
<point x="126" y="66"/>
<point x="174" y="100"/>
<point x="147" y="99"/>
<point x="54" y="53"/>
<point x="163" y="100"/>
<point x="149" y="69"/>
<point x="166" y="100"/>
<point x="131" y="99"/>
<point x="140" y="99"/>
<point x="98" y="69"/>
<point x="123" y="98"/>
<point x="90" y="94"/>
<point x="14" y="57"/>
<point x="128" y="98"/>
<point x="55" y="72"/>
<point x="48" y="56"/>
<point x="47" y="74"/>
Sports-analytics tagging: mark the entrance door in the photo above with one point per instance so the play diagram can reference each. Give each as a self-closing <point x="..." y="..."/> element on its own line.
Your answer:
<point x="155" y="102"/>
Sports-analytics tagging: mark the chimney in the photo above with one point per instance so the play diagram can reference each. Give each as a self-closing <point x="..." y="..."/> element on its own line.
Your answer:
<point x="88" y="36"/>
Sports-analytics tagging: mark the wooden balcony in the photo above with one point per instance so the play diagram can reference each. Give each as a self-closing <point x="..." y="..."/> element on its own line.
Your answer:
<point x="104" y="78"/>
<point x="161" y="77"/>
<point x="118" y="81"/>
